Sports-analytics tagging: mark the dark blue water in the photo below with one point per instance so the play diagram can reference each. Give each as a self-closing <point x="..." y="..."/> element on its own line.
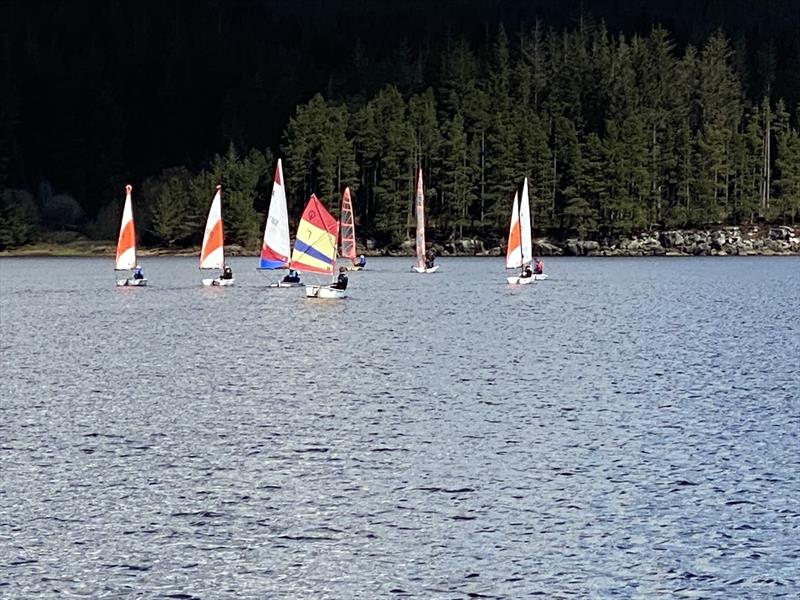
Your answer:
<point x="629" y="428"/>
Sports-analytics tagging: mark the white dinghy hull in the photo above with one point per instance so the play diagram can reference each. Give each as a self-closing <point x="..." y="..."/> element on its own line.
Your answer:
<point x="525" y="280"/>
<point x="216" y="281"/>
<point x="426" y="270"/>
<point x="284" y="284"/>
<point x="131" y="282"/>
<point x="324" y="292"/>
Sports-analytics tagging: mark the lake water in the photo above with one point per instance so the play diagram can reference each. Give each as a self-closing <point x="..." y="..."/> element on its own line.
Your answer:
<point x="629" y="428"/>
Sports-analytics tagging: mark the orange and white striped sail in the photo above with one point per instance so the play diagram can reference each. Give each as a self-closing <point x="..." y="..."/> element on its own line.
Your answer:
<point x="514" y="249"/>
<point x="126" y="244"/>
<point x="419" y="210"/>
<point x="347" y="229"/>
<point x="212" y="255"/>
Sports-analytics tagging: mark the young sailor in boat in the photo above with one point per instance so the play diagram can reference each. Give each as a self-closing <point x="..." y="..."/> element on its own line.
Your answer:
<point x="538" y="266"/>
<point x="526" y="272"/>
<point x="341" y="282"/>
<point x="227" y="273"/>
<point x="292" y="277"/>
<point x="137" y="272"/>
<point x="430" y="257"/>
<point x="362" y="261"/>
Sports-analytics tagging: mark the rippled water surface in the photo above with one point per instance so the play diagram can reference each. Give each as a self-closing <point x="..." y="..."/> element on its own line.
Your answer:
<point x="629" y="428"/>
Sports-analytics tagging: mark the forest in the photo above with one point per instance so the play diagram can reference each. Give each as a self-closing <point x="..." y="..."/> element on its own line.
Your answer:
<point x="682" y="119"/>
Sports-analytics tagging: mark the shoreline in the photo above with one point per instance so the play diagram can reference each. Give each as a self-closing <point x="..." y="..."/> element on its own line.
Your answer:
<point x="729" y="241"/>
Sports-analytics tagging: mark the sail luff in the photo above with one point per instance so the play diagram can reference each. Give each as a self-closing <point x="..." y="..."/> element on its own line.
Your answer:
<point x="212" y="254"/>
<point x="276" y="247"/>
<point x="126" y="243"/>
<point x="514" y="250"/>
<point x="419" y="209"/>
<point x="348" y="228"/>
<point x="526" y="241"/>
<point x="315" y="243"/>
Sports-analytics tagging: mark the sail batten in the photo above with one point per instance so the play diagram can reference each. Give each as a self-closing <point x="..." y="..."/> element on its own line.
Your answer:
<point x="275" y="249"/>
<point x="315" y="244"/>
<point x="419" y="210"/>
<point x="348" y="228"/>
<point x="126" y="243"/>
<point x="212" y="254"/>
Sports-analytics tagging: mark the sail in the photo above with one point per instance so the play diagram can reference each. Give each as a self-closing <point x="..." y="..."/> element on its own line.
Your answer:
<point x="348" y="231"/>
<point x="525" y="225"/>
<point x="212" y="255"/>
<point x="419" y="210"/>
<point x="126" y="244"/>
<point x="276" y="248"/>
<point x="514" y="250"/>
<point x="315" y="244"/>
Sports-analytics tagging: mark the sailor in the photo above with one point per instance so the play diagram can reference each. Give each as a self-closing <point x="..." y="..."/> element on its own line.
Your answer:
<point x="137" y="272"/>
<point x="429" y="258"/>
<point x="538" y="266"/>
<point x="227" y="273"/>
<point x="362" y="261"/>
<point x="341" y="282"/>
<point x="292" y="277"/>
<point x="526" y="272"/>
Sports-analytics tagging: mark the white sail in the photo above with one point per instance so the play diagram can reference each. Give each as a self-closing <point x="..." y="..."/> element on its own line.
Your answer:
<point x="276" y="248"/>
<point x="514" y="250"/>
<point x="126" y="243"/>
<point x="212" y="254"/>
<point x="525" y="225"/>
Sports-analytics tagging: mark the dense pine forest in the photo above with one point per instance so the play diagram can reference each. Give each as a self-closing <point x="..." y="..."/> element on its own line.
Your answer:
<point x="659" y="115"/>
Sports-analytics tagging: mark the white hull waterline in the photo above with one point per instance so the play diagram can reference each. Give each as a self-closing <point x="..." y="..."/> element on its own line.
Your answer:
<point x="517" y="280"/>
<point x="426" y="270"/>
<point x="324" y="292"/>
<point x="217" y="282"/>
<point x="285" y="284"/>
<point x="131" y="282"/>
<point x="354" y="268"/>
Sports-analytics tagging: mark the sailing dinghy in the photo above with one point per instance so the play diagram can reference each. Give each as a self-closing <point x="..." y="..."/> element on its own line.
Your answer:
<point x="126" y="246"/>
<point x="276" y="247"/>
<point x="212" y="254"/>
<point x="519" y="253"/>
<point x="315" y="248"/>
<point x="419" y="208"/>
<point x="347" y="232"/>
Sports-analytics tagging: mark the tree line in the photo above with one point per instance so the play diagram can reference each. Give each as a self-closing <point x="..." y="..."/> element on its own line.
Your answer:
<point x="617" y="134"/>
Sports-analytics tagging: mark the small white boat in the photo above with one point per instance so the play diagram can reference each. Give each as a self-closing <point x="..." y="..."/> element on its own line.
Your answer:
<point x="324" y="292"/>
<point x="276" y="247"/>
<point x="126" y="246"/>
<point x="519" y="253"/>
<point x="315" y="249"/>
<point x="432" y="269"/>
<point x="212" y="254"/>
<point x="422" y="263"/>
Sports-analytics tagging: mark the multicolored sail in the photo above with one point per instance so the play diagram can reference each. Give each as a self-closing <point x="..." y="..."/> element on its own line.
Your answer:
<point x="126" y="244"/>
<point x="315" y="244"/>
<point x="525" y="225"/>
<point x="276" y="248"/>
<point x="514" y="250"/>
<point x="212" y="255"/>
<point x="419" y="209"/>
<point x="348" y="228"/>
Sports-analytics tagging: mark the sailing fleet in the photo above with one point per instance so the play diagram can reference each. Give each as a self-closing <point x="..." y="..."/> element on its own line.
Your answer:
<point x="317" y="241"/>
